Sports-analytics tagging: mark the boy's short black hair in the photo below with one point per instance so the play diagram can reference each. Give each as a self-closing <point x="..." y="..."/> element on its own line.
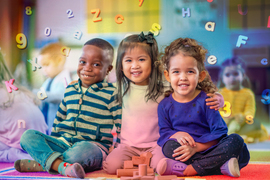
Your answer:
<point x="102" y="44"/>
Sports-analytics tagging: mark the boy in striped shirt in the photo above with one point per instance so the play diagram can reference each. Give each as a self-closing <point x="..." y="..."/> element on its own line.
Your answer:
<point x="81" y="134"/>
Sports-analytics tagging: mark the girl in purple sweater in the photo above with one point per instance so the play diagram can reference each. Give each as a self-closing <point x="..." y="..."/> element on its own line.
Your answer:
<point x="194" y="137"/>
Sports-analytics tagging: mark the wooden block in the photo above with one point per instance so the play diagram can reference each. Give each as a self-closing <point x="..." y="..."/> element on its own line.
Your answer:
<point x="148" y="178"/>
<point x="129" y="178"/>
<point x="129" y="172"/>
<point x="125" y="172"/>
<point x="168" y="177"/>
<point x="148" y="157"/>
<point x="150" y="172"/>
<point x="142" y="169"/>
<point x="136" y="160"/>
<point x="135" y="173"/>
<point x="128" y="164"/>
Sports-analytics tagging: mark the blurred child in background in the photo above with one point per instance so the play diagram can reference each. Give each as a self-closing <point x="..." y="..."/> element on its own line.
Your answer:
<point x="235" y="87"/>
<point x="13" y="125"/>
<point x="52" y="61"/>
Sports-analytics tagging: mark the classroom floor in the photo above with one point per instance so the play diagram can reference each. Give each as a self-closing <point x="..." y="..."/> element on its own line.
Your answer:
<point x="258" y="168"/>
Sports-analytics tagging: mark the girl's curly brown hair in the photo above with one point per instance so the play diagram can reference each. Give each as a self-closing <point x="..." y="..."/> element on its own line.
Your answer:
<point x="189" y="47"/>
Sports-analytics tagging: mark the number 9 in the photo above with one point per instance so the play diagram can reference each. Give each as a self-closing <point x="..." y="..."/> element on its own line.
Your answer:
<point x="227" y="108"/>
<point x="21" y="40"/>
<point x="265" y="96"/>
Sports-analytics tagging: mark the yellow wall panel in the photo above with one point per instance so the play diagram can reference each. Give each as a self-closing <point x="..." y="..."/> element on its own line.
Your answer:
<point x="135" y="18"/>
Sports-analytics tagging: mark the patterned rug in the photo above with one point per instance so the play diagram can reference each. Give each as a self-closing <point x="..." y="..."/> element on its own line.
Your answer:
<point x="258" y="168"/>
<point x="250" y="172"/>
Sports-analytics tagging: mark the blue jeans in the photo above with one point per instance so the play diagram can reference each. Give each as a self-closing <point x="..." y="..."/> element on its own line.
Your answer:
<point x="210" y="161"/>
<point x="46" y="149"/>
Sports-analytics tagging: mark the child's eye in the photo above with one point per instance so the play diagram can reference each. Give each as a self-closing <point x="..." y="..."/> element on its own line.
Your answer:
<point x="81" y="62"/>
<point x="175" y="72"/>
<point x="227" y="75"/>
<point x="190" y="71"/>
<point x="235" y="74"/>
<point x="127" y="60"/>
<point x="141" y="59"/>
<point x="96" y="64"/>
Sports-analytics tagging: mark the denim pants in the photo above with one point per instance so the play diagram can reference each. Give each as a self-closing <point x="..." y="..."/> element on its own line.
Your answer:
<point x="46" y="149"/>
<point x="210" y="161"/>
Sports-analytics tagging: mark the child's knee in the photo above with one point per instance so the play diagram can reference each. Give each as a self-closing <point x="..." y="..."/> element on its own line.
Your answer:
<point x="112" y="164"/>
<point x="81" y="151"/>
<point x="236" y="139"/>
<point x="26" y="136"/>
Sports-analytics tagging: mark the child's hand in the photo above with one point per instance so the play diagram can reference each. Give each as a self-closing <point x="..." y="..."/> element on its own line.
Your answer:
<point x="239" y="118"/>
<point x="215" y="101"/>
<point x="184" y="138"/>
<point x="185" y="151"/>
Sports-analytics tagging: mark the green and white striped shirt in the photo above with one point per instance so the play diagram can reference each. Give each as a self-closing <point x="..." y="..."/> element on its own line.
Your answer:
<point x="88" y="116"/>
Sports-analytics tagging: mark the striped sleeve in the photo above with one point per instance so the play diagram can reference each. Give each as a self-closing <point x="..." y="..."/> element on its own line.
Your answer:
<point x="116" y="111"/>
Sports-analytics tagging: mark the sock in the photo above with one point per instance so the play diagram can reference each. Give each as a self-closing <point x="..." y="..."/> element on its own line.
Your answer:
<point x="26" y="165"/>
<point x="71" y="170"/>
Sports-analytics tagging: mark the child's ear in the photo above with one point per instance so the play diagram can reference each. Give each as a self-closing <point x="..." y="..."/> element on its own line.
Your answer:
<point x="109" y="69"/>
<point x="202" y="76"/>
<point x="60" y="61"/>
<point x="166" y="74"/>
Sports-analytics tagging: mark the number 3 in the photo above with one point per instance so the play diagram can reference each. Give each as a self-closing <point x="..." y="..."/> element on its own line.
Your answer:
<point x="226" y="108"/>
<point x="21" y="40"/>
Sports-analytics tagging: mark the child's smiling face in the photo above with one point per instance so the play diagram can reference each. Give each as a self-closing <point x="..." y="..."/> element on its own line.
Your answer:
<point x="137" y="65"/>
<point x="233" y="77"/>
<point x="93" y="65"/>
<point x="183" y="74"/>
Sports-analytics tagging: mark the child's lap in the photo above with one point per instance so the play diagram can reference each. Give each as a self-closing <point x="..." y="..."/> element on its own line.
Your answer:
<point x="125" y="152"/>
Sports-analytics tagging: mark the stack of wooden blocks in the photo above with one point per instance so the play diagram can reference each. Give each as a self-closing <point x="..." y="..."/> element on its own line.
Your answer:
<point x="138" y="169"/>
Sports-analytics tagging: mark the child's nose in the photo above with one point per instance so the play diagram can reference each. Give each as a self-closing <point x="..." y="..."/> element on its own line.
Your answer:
<point x="183" y="76"/>
<point x="135" y="65"/>
<point x="87" y="68"/>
